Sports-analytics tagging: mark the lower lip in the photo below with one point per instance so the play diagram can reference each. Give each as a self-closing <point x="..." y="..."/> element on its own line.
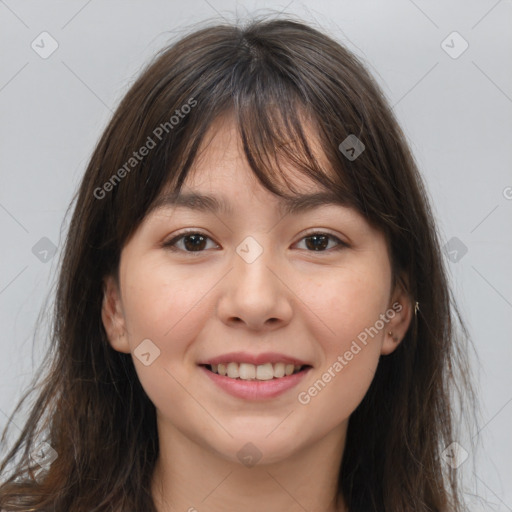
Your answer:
<point x="256" y="389"/>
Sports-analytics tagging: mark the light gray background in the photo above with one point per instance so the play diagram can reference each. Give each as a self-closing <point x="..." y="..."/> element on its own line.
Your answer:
<point x="456" y="113"/>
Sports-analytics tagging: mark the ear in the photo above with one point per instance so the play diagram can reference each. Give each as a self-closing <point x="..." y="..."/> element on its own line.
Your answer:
<point x="113" y="317"/>
<point x="399" y="313"/>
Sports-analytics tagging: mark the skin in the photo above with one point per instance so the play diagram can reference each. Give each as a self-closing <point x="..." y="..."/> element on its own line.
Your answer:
<point x="292" y="299"/>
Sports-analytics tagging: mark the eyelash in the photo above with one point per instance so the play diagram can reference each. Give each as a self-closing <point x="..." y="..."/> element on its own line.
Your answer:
<point x="171" y="244"/>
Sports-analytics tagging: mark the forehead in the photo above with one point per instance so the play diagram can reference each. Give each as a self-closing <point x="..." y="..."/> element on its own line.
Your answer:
<point x="220" y="172"/>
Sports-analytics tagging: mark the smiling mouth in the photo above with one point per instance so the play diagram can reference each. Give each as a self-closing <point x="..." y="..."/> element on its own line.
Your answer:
<point x="262" y="372"/>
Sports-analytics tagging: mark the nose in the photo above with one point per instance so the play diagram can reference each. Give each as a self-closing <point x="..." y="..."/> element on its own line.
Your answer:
<point x="255" y="294"/>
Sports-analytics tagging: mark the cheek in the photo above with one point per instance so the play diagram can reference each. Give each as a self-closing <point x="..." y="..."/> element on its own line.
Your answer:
<point x="350" y="336"/>
<point x="162" y="305"/>
<point x="349" y="360"/>
<point x="166" y="308"/>
<point x="337" y="391"/>
<point x="349" y="303"/>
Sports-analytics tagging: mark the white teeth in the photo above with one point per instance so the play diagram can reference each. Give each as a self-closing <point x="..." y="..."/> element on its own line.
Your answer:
<point x="279" y="370"/>
<point x="247" y="371"/>
<point x="233" y="370"/>
<point x="265" y="371"/>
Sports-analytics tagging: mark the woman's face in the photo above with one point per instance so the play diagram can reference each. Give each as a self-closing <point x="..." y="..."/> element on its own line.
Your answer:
<point x="250" y="291"/>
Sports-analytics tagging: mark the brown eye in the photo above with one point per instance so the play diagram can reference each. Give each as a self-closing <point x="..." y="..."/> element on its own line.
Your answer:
<point x="319" y="242"/>
<point x="193" y="241"/>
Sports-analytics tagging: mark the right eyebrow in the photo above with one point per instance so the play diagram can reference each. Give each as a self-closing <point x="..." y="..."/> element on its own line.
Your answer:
<point x="215" y="204"/>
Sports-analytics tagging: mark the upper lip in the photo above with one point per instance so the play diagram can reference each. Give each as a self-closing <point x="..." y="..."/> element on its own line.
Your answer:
<point x="255" y="359"/>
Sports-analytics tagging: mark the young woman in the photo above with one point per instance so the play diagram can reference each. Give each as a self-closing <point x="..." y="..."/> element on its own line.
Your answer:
<point x="253" y="311"/>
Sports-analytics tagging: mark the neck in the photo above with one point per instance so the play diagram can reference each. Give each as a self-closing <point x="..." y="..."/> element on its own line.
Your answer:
<point x="192" y="478"/>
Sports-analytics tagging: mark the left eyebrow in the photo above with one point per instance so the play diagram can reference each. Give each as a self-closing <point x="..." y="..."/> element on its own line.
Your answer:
<point x="214" y="204"/>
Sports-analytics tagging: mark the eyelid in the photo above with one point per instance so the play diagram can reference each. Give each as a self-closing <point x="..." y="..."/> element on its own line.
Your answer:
<point x="324" y="231"/>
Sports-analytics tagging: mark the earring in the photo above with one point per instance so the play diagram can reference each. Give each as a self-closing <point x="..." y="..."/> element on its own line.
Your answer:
<point x="416" y="308"/>
<point x="395" y="338"/>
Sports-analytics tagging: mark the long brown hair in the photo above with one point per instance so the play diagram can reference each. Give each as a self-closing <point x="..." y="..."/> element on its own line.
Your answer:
<point x="91" y="408"/>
